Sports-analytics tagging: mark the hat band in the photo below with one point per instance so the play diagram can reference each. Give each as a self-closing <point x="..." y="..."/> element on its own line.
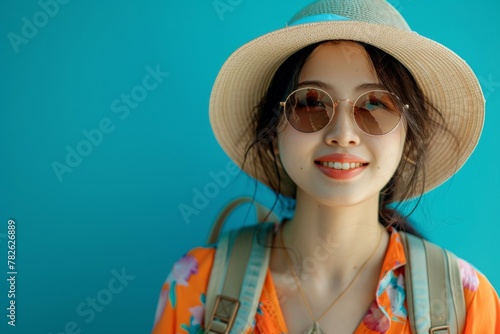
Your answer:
<point x="319" y="18"/>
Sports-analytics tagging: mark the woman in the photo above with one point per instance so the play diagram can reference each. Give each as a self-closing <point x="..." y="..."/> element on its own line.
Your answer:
<point x="346" y="111"/>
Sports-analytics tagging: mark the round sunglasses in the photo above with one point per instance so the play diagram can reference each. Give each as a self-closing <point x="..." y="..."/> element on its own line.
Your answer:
<point x="376" y="112"/>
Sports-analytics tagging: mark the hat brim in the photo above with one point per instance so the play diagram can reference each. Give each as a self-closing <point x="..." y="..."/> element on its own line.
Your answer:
<point x="445" y="79"/>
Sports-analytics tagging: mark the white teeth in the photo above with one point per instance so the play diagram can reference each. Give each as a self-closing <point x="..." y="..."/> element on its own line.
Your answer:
<point x="340" y="165"/>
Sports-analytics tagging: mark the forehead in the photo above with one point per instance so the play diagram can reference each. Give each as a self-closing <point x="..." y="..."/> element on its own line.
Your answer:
<point x="339" y="63"/>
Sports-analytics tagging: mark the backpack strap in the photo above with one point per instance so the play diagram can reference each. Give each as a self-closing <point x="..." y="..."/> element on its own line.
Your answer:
<point x="263" y="214"/>
<point x="433" y="285"/>
<point x="240" y="266"/>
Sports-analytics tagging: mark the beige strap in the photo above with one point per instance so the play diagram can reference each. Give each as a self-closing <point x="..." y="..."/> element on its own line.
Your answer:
<point x="457" y="291"/>
<point x="218" y="274"/>
<point x="438" y="292"/>
<point x="255" y="274"/>
<point x="263" y="214"/>
<point x="215" y="282"/>
<point x="238" y="262"/>
<point x="433" y="288"/>
<point x="224" y="312"/>
<point x="412" y="314"/>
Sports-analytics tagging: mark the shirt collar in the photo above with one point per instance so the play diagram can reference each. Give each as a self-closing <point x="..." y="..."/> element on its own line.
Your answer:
<point x="390" y="295"/>
<point x="395" y="255"/>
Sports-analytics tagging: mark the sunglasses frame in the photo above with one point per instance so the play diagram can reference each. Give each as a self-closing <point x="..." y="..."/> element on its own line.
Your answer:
<point x="352" y="104"/>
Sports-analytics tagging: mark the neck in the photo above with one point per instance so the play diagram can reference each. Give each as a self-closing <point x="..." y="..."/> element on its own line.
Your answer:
<point x="330" y="241"/>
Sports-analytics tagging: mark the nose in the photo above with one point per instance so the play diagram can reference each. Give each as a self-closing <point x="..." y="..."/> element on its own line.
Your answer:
<point x="342" y="130"/>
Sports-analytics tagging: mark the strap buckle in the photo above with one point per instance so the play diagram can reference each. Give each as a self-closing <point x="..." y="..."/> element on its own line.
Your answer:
<point x="440" y="330"/>
<point x="223" y="315"/>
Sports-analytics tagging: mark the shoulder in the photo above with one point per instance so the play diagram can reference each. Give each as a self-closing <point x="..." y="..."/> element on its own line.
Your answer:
<point x="189" y="276"/>
<point x="481" y="300"/>
<point x="469" y="276"/>
<point x="482" y="305"/>
<point x="182" y="298"/>
<point x="473" y="281"/>
<point x="195" y="265"/>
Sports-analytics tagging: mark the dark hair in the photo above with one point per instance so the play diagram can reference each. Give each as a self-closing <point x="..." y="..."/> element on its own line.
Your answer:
<point x="418" y="117"/>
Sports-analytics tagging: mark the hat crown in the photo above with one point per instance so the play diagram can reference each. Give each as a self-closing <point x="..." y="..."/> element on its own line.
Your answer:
<point x="372" y="11"/>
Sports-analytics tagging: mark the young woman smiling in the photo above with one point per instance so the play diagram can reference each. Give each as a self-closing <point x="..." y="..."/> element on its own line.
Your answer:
<point x="347" y="111"/>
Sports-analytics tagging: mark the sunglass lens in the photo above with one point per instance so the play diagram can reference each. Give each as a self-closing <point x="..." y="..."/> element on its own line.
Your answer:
<point x="308" y="110"/>
<point x="377" y="112"/>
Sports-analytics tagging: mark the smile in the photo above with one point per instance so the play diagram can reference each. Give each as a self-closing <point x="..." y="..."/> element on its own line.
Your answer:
<point x="340" y="165"/>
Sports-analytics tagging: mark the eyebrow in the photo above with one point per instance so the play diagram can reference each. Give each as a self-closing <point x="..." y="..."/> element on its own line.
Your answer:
<point x="326" y="86"/>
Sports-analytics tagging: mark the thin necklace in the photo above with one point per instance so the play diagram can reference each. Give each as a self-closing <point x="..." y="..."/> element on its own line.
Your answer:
<point x="315" y="328"/>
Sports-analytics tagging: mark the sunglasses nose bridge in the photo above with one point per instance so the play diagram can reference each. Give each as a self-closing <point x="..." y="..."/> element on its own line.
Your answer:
<point x="343" y="113"/>
<point x="336" y="106"/>
<point x="349" y="102"/>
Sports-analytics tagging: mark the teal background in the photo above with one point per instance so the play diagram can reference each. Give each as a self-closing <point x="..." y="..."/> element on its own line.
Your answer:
<point x="119" y="208"/>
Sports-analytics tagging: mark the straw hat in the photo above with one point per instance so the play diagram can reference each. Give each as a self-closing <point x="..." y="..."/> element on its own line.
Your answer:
<point x="446" y="80"/>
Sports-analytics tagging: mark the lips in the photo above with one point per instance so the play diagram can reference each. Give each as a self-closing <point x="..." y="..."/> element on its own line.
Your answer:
<point x="341" y="166"/>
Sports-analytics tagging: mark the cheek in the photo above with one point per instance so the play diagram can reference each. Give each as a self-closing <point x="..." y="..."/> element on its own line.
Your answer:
<point x="292" y="150"/>
<point x="389" y="152"/>
<point x="284" y="149"/>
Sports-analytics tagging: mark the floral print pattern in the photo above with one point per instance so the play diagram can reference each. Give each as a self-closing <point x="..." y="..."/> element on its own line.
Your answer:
<point x="196" y="319"/>
<point x="376" y="320"/>
<point x="180" y="274"/>
<point x="397" y="295"/>
<point x="469" y="275"/>
<point x="182" y="270"/>
<point x="181" y="306"/>
<point x="389" y="305"/>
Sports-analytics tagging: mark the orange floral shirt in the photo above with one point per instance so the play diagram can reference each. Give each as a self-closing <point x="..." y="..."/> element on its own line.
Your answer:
<point x="182" y="299"/>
